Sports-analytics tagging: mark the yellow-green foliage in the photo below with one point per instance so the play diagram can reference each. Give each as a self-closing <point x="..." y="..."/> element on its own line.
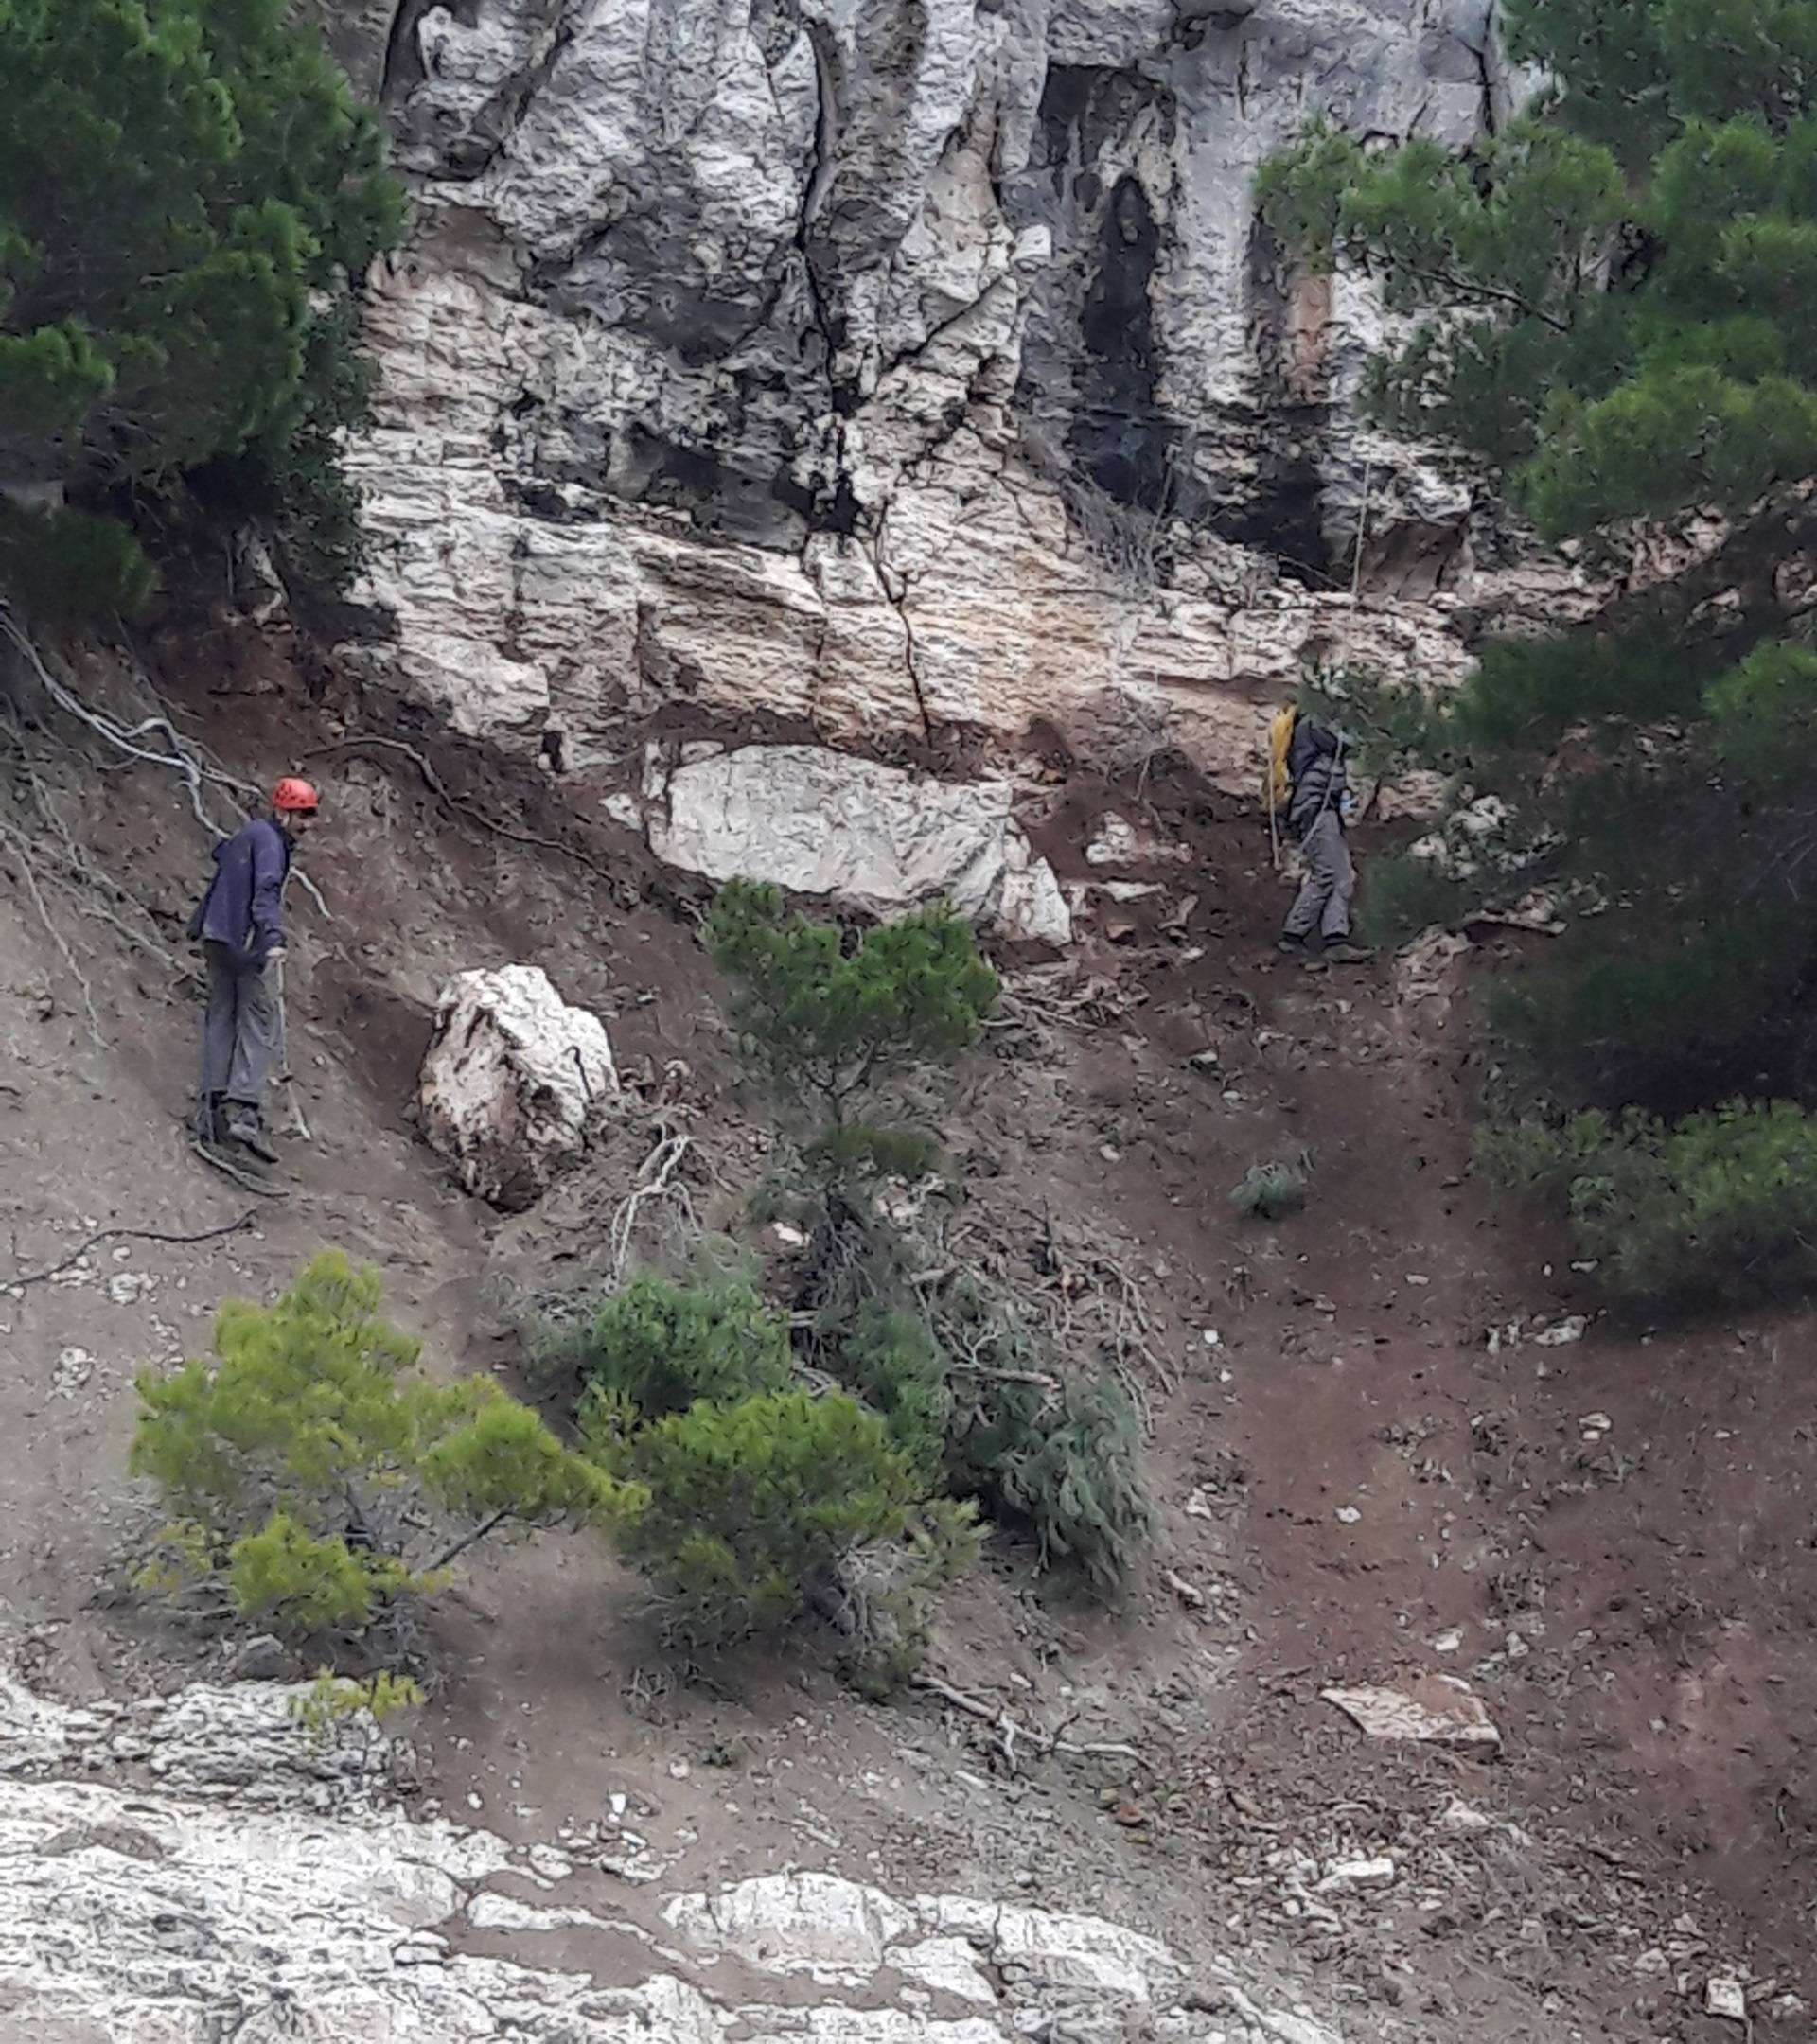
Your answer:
<point x="317" y="1474"/>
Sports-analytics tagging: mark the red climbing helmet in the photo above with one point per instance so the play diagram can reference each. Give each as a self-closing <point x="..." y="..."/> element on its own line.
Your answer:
<point x="291" y="797"/>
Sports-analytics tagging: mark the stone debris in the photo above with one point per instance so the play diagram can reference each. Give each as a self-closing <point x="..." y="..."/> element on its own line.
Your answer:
<point x="1439" y="1710"/>
<point x="1560" y="1333"/>
<point x="513" y="1082"/>
<point x="1726" y="1998"/>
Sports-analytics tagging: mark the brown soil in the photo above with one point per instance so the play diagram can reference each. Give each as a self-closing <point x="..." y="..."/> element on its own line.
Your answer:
<point x="1358" y="1485"/>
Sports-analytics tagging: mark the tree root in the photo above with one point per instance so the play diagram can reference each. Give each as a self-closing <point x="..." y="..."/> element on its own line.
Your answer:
<point x="458" y="804"/>
<point x="128" y="1234"/>
<point x="655" y="1181"/>
<point x="185" y="757"/>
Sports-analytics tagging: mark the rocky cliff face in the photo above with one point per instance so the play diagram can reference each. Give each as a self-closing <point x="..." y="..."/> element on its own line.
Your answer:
<point x="912" y="373"/>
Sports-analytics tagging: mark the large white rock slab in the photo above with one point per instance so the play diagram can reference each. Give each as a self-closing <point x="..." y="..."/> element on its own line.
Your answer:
<point x="868" y="837"/>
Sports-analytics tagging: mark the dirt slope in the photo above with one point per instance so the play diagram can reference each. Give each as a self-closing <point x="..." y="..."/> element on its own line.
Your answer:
<point x="1359" y="1486"/>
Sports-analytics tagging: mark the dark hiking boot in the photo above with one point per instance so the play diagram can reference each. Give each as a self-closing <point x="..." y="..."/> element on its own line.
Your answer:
<point x="1345" y="953"/>
<point x="1291" y="947"/>
<point x="207" y="1122"/>
<point x="244" y="1127"/>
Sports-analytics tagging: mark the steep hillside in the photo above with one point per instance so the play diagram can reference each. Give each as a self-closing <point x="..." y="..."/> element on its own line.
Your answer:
<point x="877" y="448"/>
<point x="1367" y="1475"/>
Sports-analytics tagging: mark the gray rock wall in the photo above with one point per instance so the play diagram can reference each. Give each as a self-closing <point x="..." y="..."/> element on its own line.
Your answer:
<point x="907" y="368"/>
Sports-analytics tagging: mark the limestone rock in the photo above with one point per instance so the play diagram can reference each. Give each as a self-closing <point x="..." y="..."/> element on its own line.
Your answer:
<point x="917" y="369"/>
<point x="865" y="836"/>
<point x="512" y="1082"/>
<point x="152" y="1891"/>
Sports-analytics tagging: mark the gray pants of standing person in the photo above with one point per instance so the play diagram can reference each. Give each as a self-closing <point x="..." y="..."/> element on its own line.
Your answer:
<point x="240" y="1031"/>
<point x="1323" y="902"/>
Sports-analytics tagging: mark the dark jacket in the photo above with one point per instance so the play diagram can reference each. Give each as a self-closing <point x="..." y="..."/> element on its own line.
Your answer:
<point x="243" y="908"/>
<point x="1315" y="768"/>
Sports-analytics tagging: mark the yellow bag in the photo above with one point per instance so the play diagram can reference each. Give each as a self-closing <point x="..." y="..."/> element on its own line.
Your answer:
<point x="1276" y="786"/>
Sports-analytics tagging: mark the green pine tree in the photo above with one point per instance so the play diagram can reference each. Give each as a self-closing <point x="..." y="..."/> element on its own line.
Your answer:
<point x="186" y="192"/>
<point x="1613" y="302"/>
<point x="315" y="1476"/>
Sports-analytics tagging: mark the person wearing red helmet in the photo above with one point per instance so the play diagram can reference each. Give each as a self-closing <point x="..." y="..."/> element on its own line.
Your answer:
<point x="240" y="925"/>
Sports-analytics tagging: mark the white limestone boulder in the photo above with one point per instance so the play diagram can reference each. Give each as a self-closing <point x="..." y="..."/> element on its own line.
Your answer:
<point x="514" y="1080"/>
<point x="868" y="837"/>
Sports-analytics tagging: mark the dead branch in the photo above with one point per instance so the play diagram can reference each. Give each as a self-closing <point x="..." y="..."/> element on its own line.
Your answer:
<point x="969" y="1368"/>
<point x="130" y="1234"/>
<point x="655" y="1180"/>
<point x="1010" y="1732"/>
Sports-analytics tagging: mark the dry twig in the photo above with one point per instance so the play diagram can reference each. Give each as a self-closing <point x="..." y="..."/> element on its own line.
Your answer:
<point x="1012" y="1731"/>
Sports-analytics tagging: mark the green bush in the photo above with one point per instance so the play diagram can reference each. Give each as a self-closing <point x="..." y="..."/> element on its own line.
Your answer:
<point x="1271" y="1191"/>
<point x="1723" y="1205"/>
<point x="1063" y="1457"/>
<point x="829" y="1024"/>
<point x="894" y="1364"/>
<point x="754" y="1506"/>
<point x="315" y="1476"/>
<point x="658" y="1346"/>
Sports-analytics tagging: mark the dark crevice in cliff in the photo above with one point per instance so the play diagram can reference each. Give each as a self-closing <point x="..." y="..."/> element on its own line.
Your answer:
<point x="403" y="67"/>
<point x="1092" y="361"/>
<point x="1118" y="436"/>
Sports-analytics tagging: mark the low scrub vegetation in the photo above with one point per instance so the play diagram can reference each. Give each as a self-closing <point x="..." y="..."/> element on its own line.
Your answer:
<point x="317" y="1479"/>
<point x="1271" y="1190"/>
<point x="1719" y="1205"/>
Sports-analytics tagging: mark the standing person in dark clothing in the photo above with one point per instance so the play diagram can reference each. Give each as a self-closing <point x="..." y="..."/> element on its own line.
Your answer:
<point x="240" y="925"/>
<point x="1318" y="808"/>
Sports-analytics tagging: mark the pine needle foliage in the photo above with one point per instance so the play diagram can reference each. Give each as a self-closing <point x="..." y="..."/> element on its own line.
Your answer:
<point x="315" y="1476"/>
<point x="829" y="1024"/>
<point x="1613" y="302"/>
<point x="187" y="194"/>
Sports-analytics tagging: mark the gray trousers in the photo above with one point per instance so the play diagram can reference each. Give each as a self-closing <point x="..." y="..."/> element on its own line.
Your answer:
<point x="240" y="1031"/>
<point x="1324" y="898"/>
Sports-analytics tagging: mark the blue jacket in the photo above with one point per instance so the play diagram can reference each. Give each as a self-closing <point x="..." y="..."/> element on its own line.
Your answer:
<point x="243" y="908"/>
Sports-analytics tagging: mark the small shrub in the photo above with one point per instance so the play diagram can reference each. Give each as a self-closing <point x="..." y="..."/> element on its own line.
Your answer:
<point x="660" y="1347"/>
<point x="1722" y="1204"/>
<point x="754" y="1506"/>
<point x="315" y="1477"/>
<point x="1067" y="1460"/>
<point x="829" y="1027"/>
<point x="1271" y="1191"/>
<point x="331" y="1700"/>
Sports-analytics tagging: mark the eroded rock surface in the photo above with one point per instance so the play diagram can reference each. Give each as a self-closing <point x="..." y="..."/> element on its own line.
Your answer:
<point x="916" y="371"/>
<point x="200" y="1867"/>
<point x="513" y="1081"/>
